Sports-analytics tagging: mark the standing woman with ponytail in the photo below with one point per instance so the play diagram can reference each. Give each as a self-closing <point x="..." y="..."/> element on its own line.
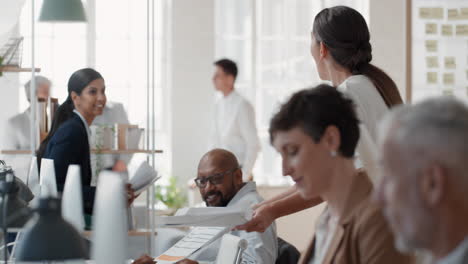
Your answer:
<point x="342" y="53"/>
<point x="68" y="140"/>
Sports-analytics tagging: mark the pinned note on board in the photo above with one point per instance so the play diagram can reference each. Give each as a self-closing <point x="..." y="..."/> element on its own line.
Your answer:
<point x="447" y="30"/>
<point x="449" y="78"/>
<point x="452" y="13"/>
<point x="431" y="12"/>
<point x="431" y="45"/>
<point x="432" y="77"/>
<point x="431" y="28"/>
<point x="461" y="30"/>
<point x="449" y="63"/>
<point x="432" y="62"/>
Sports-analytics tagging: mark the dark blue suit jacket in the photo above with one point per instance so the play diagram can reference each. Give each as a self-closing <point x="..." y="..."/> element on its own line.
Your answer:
<point x="69" y="145"/>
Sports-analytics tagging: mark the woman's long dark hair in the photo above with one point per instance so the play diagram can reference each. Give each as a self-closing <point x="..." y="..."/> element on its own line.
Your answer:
<point x="77" y="82"/>
<point x="344" y="32"/>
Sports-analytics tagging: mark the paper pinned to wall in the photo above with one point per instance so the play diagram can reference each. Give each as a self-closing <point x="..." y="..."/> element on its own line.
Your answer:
<point x="431" y="12"/>
<point x="449" y="63"/>
<point x="431" y="28"/>
<point x="432" y="62"/>
<point x="432" y="77"/>
<point x="431" y="45"/>
<point x="461" y="30"/>
<point x="447" y="30"/>
<point x="452" y="13"/>
<point x="449" y="78"/>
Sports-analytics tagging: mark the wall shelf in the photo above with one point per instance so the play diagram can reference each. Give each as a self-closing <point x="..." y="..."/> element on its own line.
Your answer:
<point x="126" y="151"/>
<point x="17" y="69"/>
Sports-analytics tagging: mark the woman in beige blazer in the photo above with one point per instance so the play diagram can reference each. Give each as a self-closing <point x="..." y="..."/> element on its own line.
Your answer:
<point x="316" y="132"/>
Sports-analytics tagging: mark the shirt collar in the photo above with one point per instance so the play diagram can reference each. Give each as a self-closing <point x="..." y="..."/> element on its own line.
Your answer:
<point x="88" y="130"/>
<point x="458" y="255"/>
<point x="248" y="187"/>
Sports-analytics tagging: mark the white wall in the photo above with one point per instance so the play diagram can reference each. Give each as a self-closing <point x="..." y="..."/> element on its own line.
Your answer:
<point x="387" y="20"/>
<point x="191" y="91"/>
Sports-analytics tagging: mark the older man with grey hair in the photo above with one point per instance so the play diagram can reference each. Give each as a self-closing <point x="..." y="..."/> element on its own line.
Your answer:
<point x="17" y="127"/>
<point x="424" y="182"/>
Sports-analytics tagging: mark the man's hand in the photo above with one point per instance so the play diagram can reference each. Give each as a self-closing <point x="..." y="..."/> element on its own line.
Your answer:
<point x="186" y="261"/>
<point x="130" y="194"/>
<point x="145" y="259"/>
<point x="263" y="217"/>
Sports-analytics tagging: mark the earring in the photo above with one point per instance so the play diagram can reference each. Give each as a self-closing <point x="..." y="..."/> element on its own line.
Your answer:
<point x="333" y="153"/>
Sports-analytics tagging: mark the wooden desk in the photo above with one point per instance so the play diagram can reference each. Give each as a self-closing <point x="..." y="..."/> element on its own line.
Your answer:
<point x="131" y="233"/>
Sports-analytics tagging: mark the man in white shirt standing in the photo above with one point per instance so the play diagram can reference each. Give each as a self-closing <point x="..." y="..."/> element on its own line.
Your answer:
<point x="234" y="125"/>
<point x="424" y="183"/>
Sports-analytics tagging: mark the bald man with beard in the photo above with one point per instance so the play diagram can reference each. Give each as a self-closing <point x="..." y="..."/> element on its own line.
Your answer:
<point x="220" y="183"/>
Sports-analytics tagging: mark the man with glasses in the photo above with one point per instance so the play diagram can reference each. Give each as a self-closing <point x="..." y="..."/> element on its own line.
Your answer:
<point x="219" y="180"/>
<point x="220" y="183"/>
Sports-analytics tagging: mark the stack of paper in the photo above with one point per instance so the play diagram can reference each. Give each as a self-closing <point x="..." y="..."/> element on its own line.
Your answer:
<point x="143" y="177"/>
<point x="191" y="243"/>
<point x="208" y="216"/>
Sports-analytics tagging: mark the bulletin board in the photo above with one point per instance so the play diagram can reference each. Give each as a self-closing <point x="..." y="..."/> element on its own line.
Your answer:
<point x="438" y="49"/>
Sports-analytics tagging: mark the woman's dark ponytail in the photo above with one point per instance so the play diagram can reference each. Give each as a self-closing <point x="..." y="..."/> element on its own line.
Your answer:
<point x="344" y="32"/>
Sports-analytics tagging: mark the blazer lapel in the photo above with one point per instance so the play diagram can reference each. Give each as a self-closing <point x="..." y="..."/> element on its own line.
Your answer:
<point x="334" y="244"/>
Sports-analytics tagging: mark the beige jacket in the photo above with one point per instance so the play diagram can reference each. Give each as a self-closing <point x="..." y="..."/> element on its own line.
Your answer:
<point x="362" y="235"/>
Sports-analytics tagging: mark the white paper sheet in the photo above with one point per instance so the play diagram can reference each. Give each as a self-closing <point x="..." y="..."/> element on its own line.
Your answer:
<point x="143" y="177"/>
<point x="191" y="243"/>
<point x="208" y="216"/>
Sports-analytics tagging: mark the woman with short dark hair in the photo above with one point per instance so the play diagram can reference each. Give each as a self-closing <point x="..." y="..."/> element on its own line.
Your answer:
<point x="317" y="147"/>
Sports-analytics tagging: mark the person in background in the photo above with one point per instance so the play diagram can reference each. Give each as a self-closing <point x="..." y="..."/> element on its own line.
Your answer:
<point x="68" y="141"/>
<point x="317" y="148"/>
<point x="234" y="125"/>
<point x="423" y="154"/>
<point x="17" y="130"/>
<point x="342" y="53"/>
<point x="18" y="127"/>
<point x="113" y="113"/>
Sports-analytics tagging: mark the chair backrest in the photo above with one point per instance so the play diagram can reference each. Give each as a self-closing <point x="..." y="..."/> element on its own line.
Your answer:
<point x="230" y="250"/>
<point x="287" y="253"/>
<point x="72" y="198"/>
<point x="47" y="181"/>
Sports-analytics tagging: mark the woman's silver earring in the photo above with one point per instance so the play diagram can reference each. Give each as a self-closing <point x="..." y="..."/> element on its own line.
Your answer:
<point x="333" y="153"/>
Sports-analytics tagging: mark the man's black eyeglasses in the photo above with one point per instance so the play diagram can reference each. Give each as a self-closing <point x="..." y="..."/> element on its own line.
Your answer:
<point x="217" y="178"/>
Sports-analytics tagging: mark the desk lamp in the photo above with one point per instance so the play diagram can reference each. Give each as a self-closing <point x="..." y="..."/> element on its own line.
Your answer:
<point x="48" y="237"/>
<point x="14" y="211"/>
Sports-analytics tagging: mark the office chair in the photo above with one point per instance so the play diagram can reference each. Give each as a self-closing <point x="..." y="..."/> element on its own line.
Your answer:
<point x="287" y="253"/>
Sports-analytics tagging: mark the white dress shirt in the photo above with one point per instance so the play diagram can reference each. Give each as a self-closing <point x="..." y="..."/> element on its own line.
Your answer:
<point x="370" y="109"/>
<point x="234" y="129"/>
<point x="458" y="256"/>
<point x="262" y="248"/>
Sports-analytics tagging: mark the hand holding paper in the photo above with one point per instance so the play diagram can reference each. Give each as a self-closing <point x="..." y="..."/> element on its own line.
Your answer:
<point x="143" y="177"/>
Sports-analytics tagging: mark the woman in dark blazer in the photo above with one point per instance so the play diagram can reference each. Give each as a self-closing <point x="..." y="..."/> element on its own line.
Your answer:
<point x="67" y="142"/>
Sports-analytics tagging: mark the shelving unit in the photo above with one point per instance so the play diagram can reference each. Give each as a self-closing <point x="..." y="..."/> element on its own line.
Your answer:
<point x="17" y="69"/>
<point x="94" y="151"/>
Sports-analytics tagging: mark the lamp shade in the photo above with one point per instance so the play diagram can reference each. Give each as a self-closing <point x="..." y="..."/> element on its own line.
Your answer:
<point x="17" y="209"/>
<point x="62" y="11"/>
<point x="110" y="235"/>
<point x="48" y="181"/>
<point x="72" y="198"/>
<point x="48" y="237"/>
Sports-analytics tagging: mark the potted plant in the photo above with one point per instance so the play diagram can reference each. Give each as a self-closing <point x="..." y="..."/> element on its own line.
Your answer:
<point x="1" y="64"/>
<point x="171" y="195"/>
